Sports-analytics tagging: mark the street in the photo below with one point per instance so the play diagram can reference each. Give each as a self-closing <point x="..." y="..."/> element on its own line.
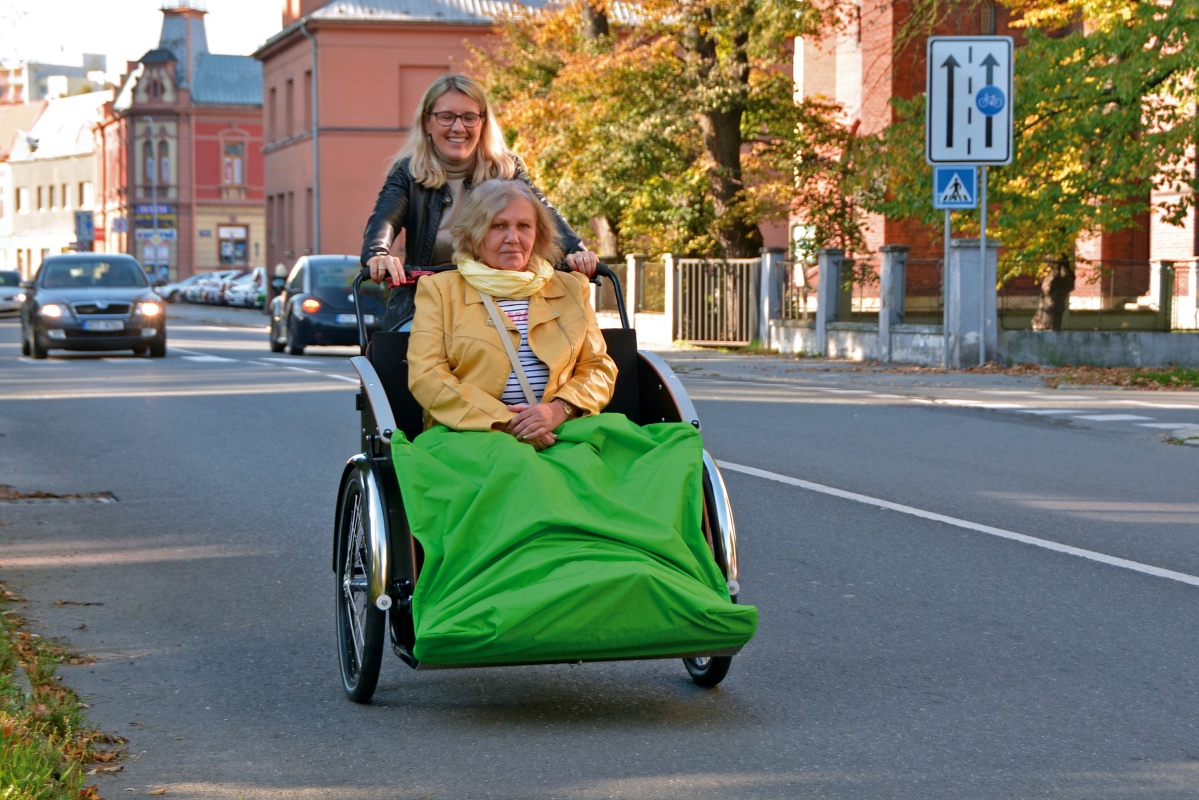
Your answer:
<point x="899" y="655"/>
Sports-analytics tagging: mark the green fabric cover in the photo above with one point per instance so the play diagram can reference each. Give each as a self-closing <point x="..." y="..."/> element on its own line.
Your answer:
<point x="591" y="549"/>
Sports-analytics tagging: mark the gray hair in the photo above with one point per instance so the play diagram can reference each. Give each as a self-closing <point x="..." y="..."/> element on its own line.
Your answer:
<point x="487" y="200"/>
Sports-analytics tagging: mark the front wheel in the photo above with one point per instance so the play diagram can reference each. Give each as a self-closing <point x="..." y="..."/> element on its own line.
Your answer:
<point x="360" y="625"/>
<point x="707" y="671"/>
<point x="24" y="344"/>
<point x="35" y="346"/>
<point x="295" y="346"/>
<point x="158" y="349"/>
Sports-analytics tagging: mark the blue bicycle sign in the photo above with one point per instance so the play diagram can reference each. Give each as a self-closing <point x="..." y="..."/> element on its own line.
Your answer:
<point x="990" y="100"/>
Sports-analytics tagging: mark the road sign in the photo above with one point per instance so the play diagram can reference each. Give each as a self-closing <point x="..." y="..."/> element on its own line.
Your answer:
<point x="85" y="227"/>
<point x="968" y="114"/>
<point x="955" y="187"/>
<point x="150" y="235"/>
<point x="120" y="225"/>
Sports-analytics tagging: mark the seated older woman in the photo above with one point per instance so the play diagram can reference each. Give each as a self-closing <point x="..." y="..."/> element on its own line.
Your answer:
<point x="551" y="531"/>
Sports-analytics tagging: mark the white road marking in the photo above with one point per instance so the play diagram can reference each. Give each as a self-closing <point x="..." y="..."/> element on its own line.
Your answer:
<point x="1157" y="405"/>
<point x="1057" y="547"/>
<point x="1046" y="411"/>
<point x="345" y="378"/>
<point x="1164" y="425"/>
<point x="841" y="391"/>
<point x="207" y="359"/>
<point x="1111" y="417"/>
<point x="286" y="361"/>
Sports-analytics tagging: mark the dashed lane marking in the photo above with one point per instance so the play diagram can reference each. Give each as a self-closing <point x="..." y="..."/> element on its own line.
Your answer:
<point x="1090" y="555"/>
<point x="1111" y="417"/>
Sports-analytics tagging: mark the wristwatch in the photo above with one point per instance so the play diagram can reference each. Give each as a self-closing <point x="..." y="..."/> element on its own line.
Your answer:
<point x="567" y="407"/>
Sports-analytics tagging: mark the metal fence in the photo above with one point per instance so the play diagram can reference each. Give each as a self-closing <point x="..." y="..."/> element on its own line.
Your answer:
<point x="799" y="280"/>
<point x="717" y="301"/>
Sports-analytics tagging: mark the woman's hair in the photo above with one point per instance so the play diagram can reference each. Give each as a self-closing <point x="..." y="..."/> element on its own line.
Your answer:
<point x="493" y="159"/>
<point x="487" y="200"/>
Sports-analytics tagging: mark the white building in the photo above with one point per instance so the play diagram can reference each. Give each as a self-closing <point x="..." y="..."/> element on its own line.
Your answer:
<point x="51" y="175"/>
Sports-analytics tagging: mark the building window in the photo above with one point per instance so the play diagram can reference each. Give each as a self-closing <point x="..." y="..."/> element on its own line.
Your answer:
<point x="234" y="170"/>
<point x="987" y="20"/>
<point x="164" y="163"/>
<point x="308" y="100"/>
<point x="289" y="107"/>
<point x="66" y="197"/>
<point x="50" y="191"/>
<point x="233" y="240"/>
<point x="148" y="160"/>
<point x="272" y="116"/>
<point x="23" y="200"/>
<point x="41" y="198"/>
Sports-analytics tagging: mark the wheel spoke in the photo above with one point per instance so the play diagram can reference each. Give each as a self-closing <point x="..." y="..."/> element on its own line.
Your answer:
<point x="352" y="575"/>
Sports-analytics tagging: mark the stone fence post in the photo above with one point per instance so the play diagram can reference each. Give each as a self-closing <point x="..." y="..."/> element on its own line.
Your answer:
<point x="669" y="266"/>
<point x="632" y="290"/>
<point x="773" y="262"/>
<point x="828" y="292"/>
<point x="892" y="294"/>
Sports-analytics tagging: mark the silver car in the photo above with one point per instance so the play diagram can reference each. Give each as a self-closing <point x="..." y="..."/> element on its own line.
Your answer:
<point x="11" y="293"/>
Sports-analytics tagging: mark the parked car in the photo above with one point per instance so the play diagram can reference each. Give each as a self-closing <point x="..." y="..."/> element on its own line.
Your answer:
<point x="209" y="283"/>
<point x="173" y="292"/>
<point x="11" y="293"/>
<point x="316" y="306"/>
<point x="247" y="291"/>
<point x="92" y="301"/>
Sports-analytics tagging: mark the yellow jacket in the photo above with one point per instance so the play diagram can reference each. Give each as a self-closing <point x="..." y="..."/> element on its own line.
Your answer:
<point x="457" y="364"/>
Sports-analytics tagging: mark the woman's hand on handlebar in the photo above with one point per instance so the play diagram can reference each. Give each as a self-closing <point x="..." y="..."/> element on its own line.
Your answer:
<point x="384" y="266"/>
<point x="583" y="261"/>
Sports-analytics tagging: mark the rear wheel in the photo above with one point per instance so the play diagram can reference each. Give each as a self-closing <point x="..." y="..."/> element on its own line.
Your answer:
<point x="277" y="345"/>
<point x="295" y="345"/>
<point x="360" y="625"/>
<point x="707" y="671"/>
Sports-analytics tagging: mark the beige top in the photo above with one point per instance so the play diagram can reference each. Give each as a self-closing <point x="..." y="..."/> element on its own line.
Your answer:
<point x="443" y="247"/>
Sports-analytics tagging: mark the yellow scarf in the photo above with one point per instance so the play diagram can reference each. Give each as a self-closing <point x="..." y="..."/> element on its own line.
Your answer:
<point x="503" y="282"/>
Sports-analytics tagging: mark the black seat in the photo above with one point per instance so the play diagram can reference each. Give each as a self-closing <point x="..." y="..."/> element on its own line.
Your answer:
<point x="388" y="354"/>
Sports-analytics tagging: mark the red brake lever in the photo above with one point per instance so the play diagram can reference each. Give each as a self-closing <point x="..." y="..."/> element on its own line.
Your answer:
<point x="410" y="277"/>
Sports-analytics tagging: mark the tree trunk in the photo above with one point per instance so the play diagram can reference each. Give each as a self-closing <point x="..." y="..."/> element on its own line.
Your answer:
<point x="1056" y="285"/>
<point x="737" y="235"/>
<point x="607" y="239"/>
<point x="595" y="21"/>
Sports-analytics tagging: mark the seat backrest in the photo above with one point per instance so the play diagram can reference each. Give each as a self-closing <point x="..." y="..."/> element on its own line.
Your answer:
<point x="622" y="349"/>
<point x="388" y="354"/>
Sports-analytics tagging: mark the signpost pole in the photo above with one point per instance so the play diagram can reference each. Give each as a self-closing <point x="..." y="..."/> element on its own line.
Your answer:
<point x="154" y="166"/>
<point x="982" y="267"/>
<point x="945" y="296"/>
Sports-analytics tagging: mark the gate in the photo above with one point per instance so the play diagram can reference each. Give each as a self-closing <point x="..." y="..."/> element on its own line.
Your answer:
<point x="717" y="302"/>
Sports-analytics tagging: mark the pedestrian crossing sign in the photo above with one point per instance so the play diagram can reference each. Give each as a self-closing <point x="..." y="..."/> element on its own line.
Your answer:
<point x="955" y="187"/>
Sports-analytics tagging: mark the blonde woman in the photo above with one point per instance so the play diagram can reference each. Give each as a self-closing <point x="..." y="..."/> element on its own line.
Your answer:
<point x="455" y="144"/>
<point x="550" y="531"/>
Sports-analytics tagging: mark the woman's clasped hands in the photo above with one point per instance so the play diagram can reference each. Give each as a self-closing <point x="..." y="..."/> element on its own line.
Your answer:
<point x="535" y="424"/>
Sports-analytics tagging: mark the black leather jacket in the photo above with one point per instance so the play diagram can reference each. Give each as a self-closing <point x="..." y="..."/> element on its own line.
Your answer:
<point x="405" y="203"/>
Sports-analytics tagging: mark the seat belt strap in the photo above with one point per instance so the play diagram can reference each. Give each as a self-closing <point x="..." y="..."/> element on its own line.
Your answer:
<point x="498" y="320"/>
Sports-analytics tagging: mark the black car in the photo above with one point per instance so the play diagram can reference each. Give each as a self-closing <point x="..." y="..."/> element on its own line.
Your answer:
<point x="92" y="301"/>
<point x="316" y="306"/>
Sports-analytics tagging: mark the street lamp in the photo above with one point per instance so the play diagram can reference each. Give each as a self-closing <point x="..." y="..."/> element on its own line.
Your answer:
<point x="153" y="182"/>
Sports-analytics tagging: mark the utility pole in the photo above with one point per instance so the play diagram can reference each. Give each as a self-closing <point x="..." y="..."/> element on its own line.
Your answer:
<point x="154" y="166"/>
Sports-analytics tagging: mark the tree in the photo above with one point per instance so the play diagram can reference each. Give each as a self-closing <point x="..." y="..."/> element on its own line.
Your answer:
<point x="1104" y="111"/>
<point x="647" y="131"/>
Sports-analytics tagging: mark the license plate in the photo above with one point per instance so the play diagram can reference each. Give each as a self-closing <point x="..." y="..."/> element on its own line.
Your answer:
<point x="103" y="325"/>
<point x="369" y="319"/>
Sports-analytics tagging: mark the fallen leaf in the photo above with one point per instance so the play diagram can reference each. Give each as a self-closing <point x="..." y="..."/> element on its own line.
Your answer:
<point x="157" y="792"/>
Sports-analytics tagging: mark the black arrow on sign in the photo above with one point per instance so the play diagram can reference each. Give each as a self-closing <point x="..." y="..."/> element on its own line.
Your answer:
<point x="950" y="64"/>
<point x="990" y="63"/>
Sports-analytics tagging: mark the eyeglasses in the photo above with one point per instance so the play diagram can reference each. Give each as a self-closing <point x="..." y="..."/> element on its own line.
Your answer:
<point x="446" y="118"/>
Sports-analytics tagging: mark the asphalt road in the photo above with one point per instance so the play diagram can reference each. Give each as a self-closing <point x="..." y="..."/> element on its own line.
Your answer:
<point x="897" y="656"/>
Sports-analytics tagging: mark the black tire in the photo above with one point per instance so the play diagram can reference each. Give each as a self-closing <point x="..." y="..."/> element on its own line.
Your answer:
<point x="24" y="344"/>
<point x="38" y="351"/>
<point x="295" y="346"/>
<point x="360" y="625"/>
<point x="140" y="349"/>
<point x="276" y="345"/>
<point x="708" y="672"/>
<point x="158" y="349"/>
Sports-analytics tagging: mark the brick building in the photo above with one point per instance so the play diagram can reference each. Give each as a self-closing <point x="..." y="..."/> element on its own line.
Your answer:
<point x="185" y="127"/>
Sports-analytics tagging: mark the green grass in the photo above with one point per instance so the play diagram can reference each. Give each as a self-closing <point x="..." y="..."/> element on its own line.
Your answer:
<point x="46" y="744"/>
<point x="1177" y="376"/>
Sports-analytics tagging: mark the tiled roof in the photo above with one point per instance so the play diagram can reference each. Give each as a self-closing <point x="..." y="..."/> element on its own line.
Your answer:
<point x="227" y="80"/>
<point x="159" y="55"/>
<point x="478" y="12"/>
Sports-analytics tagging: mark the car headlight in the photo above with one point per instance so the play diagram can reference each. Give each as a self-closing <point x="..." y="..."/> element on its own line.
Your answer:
<point x="53" y="310"/>
<point x="150" y="309"/>
<point x="19" y="297"/>
<point x="311" y="305"/>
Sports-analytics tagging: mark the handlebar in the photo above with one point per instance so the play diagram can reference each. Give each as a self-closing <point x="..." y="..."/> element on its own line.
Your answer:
<point x="413" y="274"/>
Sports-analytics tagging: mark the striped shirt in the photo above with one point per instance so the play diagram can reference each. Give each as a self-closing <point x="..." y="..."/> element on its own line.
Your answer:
<point x="535" y="369"/>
